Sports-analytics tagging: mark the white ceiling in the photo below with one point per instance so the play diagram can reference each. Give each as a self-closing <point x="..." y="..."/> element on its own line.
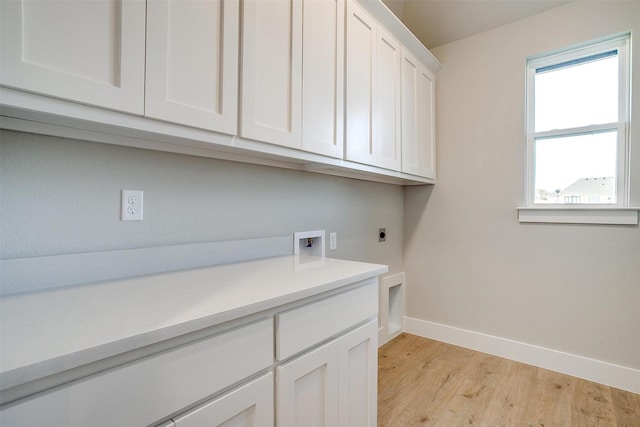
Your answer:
<point x="436" y="22"/>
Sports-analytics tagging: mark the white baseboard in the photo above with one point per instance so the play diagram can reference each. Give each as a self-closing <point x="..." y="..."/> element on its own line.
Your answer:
<point x="578" y="366"/>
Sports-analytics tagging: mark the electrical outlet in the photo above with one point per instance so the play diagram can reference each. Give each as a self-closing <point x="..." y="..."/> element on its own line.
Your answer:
<point x="382" y="235"/>
<point x="333" y="241"/>
<point x="131" y="205"/>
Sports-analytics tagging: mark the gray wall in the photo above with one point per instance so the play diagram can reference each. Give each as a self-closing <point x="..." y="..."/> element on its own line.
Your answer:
<point x="60" y="196"/>
<point x="469" y="263"/>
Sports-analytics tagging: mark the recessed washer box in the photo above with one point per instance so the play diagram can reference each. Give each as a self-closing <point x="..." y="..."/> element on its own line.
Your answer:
<point x="309" y="243"/>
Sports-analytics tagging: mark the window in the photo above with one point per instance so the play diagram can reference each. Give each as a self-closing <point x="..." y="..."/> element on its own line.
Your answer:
<point x="578" y="125"/>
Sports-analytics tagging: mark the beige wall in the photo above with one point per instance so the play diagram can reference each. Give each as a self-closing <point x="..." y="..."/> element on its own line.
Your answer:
<point x="469" y="263"/>
<point x="61" y="196"/>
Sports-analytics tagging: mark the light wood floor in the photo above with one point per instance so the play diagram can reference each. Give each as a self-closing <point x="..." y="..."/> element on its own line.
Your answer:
<point x="428" y="383"/>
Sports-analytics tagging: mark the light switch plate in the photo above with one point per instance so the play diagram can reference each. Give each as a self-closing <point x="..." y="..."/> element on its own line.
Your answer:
<point x="333" y="241"/>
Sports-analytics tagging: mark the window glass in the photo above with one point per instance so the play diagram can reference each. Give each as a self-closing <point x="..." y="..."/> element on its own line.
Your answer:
<point x="576" y="169"/>
<point x="577" y="93"/>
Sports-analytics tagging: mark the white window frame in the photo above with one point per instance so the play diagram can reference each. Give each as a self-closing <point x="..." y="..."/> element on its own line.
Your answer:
<point x="614" y="213"/>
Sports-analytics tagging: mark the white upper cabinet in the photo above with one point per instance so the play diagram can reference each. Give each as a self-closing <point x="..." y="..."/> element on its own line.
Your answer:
<point x="272" y="72"/>
<point x="418" y="127"/>
<point x="373" y="92"/>
<point x="333" y="86"/>
<point x="293" y="74"/>
<point x="386" y="102"/>
<point x="323" y="77"/>
<point x="192" y="63"/>
<point x="86" y="51"/>
<point x="360" y="80"/>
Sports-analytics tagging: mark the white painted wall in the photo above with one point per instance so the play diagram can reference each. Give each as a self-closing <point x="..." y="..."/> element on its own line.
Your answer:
<point x="60" y="196"/>
<point x="468" y="262"/>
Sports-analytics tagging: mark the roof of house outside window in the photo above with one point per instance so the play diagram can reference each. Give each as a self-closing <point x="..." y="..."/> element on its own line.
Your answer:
<point x="595" y="186"/>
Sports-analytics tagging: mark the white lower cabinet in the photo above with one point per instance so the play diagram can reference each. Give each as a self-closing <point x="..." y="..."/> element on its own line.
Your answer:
<point x="250" y="405"/>
<point x="358" y="377"/>
<point x="323" y="351"/>
<point x="332" y="385"/>
<point x="307" y="389"/>
<point x="147" y="390"/>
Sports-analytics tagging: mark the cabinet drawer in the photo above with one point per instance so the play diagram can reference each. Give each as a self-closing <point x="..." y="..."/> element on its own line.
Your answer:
<point x="249" y="406"/>
<point x="306" y="326"/>
<point x="144" y="391"/>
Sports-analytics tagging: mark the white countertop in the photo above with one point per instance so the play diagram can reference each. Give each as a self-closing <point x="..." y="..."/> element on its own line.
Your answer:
<point x="47" y="332"/>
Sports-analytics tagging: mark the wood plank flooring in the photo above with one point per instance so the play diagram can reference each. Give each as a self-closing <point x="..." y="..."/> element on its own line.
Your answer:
<point x="422" y="382"/>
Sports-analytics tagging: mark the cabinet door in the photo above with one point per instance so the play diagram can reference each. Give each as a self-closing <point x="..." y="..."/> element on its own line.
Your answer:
<point x="386" y="102"/>
<point x="192" y="63"/>
<point x="85" y="51"/>
<point x="358" y="377"/>
<point x="360" y="81"/>
<point x="323" y="77"/>
<point x="307" y="389"/>
<point x="248" y="406"/>
<point x="418" y="145"/>
<point x="373" y="92"/>
<point x="272" y="71"/>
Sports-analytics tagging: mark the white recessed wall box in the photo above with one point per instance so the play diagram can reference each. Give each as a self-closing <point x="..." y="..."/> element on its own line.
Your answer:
<point x="309" y="243"/>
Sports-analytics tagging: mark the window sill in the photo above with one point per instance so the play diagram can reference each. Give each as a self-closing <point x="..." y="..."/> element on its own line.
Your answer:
<point x="579" y="215"/>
